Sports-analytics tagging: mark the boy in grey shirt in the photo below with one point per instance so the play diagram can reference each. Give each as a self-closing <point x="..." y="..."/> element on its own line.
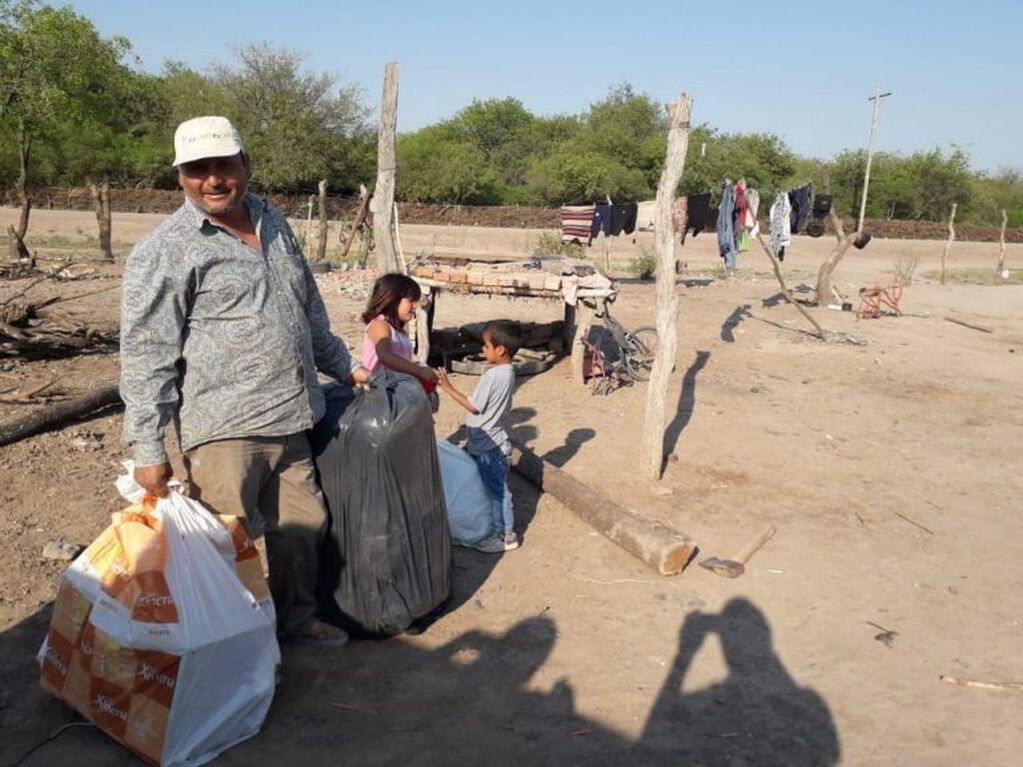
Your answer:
<point x="488" y="439"/>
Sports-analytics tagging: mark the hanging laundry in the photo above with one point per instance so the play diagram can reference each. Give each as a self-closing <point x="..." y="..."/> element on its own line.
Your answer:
<point x="576" y="223"/>
<point x="821" y="207"/>
<point x="698" y="205"/>
<point x="726" y="232"/>
<point x="646" y="215"/>
<point x="752" y="212"/>
<point x="601" y="220"/>
<point x="623" y="218"/>
<point x="781" y="228"/>
<point x="800" y="199"/>
<point x="739" y="218"/>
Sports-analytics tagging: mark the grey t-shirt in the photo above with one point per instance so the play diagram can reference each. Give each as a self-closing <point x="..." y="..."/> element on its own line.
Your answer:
<point x="492" y="398"/>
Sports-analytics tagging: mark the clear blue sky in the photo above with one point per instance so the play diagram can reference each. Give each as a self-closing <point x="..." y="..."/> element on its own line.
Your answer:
<point x="802" y="70"/>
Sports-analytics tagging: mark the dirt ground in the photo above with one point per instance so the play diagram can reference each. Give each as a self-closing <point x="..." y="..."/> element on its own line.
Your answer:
<point x="891" y="469"/>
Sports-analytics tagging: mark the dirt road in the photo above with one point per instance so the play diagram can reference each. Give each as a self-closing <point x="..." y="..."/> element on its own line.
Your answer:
<point x="891" y="470"/>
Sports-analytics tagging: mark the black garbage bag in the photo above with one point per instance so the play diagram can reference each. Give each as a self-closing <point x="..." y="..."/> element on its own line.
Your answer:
<point x="387" y="561"/>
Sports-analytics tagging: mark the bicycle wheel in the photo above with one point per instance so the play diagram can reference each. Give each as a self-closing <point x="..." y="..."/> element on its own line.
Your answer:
<point x="638" y="352"/>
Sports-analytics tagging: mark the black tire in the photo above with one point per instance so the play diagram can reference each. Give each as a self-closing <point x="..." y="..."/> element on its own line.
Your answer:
<point x="638" y="357"/>
<point x="476" y="365"/>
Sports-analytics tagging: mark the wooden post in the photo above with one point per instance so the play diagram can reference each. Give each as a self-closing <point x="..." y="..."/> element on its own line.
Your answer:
<point x="422" y="334"/>
<point x="308" y="225"/>
<point x="824" y="287"/>
<point x="383" y="196"/>
<point x="321" y="243"/>
<point x="1001" y="247"/>
<point x="101" y="204"/>
<point x="360" y="216"/>
<point x="652" y="457"/>
<point x="949" y="241"/>
<point x="582" y="318"/>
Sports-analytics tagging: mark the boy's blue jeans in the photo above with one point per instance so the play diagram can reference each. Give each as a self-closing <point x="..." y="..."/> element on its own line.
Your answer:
<point x="493" y="467"/>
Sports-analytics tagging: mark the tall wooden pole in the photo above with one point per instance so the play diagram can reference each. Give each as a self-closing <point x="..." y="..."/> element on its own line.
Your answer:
<point x="876" y="98"/>
<point x="652" y="458"/>
<point x="321" y="243"/>
<point x="101" y="204"/>
<point x="949" y="241"/>
<point x="383" y="196"/>
<point x="1001" y="247"/>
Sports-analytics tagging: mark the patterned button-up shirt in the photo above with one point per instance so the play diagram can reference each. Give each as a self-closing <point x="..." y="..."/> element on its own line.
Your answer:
<point x="220" y="337"/>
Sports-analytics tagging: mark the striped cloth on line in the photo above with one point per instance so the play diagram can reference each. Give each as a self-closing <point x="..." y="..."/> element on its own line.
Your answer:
<point x="576" y="221"/>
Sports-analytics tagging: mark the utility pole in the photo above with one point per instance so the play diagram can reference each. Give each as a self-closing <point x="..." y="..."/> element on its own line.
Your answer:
<point x="876" y="98"/>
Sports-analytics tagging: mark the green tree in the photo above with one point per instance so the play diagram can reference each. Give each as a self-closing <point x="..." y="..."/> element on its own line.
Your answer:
<point x="299" y="126"/>
<point x="55" y="71"/>
<point x="433" y="166"/>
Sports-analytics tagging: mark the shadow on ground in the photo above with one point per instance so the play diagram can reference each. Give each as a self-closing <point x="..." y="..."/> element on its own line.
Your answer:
<point x="732" y="321"/>
<point x="686" y="403"/>
<point x="471" y="700"/>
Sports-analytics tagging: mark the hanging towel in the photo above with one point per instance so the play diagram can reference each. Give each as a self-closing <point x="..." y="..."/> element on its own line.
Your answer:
<point x="800" y="199"/>
<point x="646" y="215"/>
<point x="726" y="233"/>
<point x="576" y="222"/>
<point x="698" y="206"/>
<point x="752" y="212"/>
<point x="601" y="220"/>
<point x="781" y="232"/>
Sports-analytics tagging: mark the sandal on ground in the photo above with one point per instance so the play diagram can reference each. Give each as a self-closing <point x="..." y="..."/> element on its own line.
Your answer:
<point x="320" y="634"/>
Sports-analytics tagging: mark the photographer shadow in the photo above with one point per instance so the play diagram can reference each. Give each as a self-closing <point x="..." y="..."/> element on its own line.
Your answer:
<point x="757" y="715"/>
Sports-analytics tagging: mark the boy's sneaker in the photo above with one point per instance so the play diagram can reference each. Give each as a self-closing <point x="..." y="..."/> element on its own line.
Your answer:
<point x="496" y="544"/>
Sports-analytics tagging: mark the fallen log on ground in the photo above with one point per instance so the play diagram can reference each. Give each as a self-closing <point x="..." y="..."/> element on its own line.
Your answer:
<point x="658" y="545"/>
<point x="58" y="414"/>
<point x="970" y="325"/>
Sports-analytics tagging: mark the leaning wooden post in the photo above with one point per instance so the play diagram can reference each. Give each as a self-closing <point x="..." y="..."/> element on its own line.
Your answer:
<point x="785" y="288"/>
<point x="1001" y="247"/>
<point x="949" y="241"/>
<point x="360" y="215"/>
<point x="101" y="204"/>
<point x="652" y="458"/>
<point x="321" y="243"/>
<point x="383" y="196"/>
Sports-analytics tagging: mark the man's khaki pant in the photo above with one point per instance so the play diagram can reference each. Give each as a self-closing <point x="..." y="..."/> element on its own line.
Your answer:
<point x="270" y="481"/>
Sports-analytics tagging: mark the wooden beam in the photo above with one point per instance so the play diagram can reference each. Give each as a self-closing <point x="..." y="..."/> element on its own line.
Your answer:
<point x="58" y="414"/>
<point x="661" y="547"/>
<point x="652" y="454"/>
<point x="383" y="195"/>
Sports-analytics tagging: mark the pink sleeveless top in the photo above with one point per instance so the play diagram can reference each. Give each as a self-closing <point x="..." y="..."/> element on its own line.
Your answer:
<point x="401" y="345"/>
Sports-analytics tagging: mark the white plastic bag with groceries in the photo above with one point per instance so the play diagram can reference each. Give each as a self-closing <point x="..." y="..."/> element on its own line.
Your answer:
<point x="163" y="631"/>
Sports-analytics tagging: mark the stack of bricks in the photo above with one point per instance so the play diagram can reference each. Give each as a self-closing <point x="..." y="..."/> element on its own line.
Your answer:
<point x="485" y="279"/>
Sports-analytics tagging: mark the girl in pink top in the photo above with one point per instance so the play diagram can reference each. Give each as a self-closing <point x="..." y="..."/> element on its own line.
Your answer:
<point x="391" y="305"/>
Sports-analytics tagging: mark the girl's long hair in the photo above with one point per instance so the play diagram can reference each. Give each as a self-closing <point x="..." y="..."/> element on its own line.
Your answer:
<point x="387" y="293"/>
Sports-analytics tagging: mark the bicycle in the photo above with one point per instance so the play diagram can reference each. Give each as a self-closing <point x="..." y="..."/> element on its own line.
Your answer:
<point x="636" y="348"/>
<point x="629" y="359"/>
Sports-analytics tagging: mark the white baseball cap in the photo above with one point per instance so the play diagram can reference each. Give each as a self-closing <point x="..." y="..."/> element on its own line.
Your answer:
<point x="208" y="136"/>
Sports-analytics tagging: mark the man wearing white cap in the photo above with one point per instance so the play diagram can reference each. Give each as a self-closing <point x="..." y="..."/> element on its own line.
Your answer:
<point x="223" y="331"/>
